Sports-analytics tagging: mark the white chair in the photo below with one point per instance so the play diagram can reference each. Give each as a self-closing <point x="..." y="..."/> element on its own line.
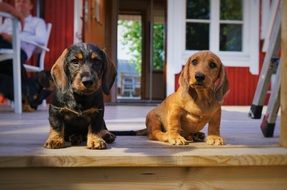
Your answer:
<point x="15" y="55"/>
<point x="40" y="51"/>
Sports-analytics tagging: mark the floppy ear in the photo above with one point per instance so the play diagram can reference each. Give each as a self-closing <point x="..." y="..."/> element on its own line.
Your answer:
<point x="58" y="73"/>
<point x="109" y="75"/>
<point x="184" y="75"/>
<point x="221" y="86"/>
<point x="43" y="78"/>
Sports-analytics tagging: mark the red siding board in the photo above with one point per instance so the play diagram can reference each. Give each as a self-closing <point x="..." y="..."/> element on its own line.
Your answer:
<point x="242" y="86"/>
<point x="61" y="15"/>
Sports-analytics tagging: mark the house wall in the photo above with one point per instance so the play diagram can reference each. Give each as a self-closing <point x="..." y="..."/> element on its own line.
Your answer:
<point x="94" y="22"/>
<point x="61" y="15"/>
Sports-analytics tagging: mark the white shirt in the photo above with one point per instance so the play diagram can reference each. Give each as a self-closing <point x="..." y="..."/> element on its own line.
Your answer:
<point x="34" y="30"/>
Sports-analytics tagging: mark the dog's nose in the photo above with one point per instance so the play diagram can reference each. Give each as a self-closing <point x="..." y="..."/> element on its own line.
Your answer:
<point x="199" y="77"/>
<point x="87" y="81"/>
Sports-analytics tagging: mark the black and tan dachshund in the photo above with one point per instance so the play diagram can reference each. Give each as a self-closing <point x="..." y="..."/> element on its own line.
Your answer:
<point x="82" y="74"/>
<point x="34" y="90"/>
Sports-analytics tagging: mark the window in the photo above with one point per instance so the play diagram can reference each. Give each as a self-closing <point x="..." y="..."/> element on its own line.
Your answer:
<point x="229" y="28"/>
<point x="199" y="22"/>
<point x="231" y="24"/>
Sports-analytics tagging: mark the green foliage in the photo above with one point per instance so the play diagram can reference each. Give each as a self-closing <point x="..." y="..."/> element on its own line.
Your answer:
<point x="231" y="10"/>
<point x="132" y="38"/>
<point x="158" y="46"/>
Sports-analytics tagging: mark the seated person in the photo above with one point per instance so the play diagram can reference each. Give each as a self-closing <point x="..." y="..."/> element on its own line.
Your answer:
<point x="34" y="30"/>
<point x="4" y="7"/>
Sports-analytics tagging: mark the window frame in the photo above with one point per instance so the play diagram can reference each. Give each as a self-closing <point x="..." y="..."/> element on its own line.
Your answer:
<point x="249" y="56"/>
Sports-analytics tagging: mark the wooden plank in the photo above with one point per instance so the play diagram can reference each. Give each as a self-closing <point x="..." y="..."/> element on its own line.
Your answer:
<point x="22" y="137"/>
<point x="145" y="178"/>
<point x="283" y="132"/>
<point x="137" y="152"/>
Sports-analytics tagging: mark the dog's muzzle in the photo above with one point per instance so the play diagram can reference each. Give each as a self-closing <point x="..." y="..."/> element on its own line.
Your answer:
<point x="88" y="81"/>
<point x="199" y="77"/>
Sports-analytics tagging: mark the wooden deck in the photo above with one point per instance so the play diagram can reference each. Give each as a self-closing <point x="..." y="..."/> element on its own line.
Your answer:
<point x="248" y="160"/>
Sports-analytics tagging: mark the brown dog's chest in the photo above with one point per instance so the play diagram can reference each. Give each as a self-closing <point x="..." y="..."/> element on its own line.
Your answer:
<point x="194" y="116"/>
<point x="193" y="123"/>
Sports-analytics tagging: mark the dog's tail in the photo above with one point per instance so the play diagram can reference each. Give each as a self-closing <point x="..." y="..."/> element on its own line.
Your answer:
<point x="141" y="132"/>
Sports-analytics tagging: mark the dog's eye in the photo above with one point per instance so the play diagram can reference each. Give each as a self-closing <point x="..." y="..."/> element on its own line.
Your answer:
<point x="212" y="65"/>
<point x="194" y="62"/>
<point x="75" y="61"/>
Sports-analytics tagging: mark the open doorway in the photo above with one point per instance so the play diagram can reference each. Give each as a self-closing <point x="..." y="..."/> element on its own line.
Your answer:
<point x="129" y="57"/>
<point x="141" y="50"/>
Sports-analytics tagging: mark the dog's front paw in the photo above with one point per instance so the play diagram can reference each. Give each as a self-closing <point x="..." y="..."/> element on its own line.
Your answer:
<point x="27" y="108"/>
<point x="53" y="143"/>
<point x="95" y="142"/>
<point x="214" y="140"/>
<point x="176" y="139"/>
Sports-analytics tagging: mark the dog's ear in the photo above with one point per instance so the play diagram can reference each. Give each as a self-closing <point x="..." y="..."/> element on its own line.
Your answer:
<point x="221" y="85"/>
<point x="109" y="75"/>
<point x="184" y="75"/>
<point x="43" y="78"/>
<point x="58" y="74"/>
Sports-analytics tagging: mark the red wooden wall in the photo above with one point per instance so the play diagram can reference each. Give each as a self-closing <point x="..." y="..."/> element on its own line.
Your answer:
<point x="242" y="86"/>
<point x="61" y="15"/>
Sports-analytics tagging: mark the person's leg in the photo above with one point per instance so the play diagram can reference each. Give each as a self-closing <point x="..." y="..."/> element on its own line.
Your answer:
<point x="6" y="66"/>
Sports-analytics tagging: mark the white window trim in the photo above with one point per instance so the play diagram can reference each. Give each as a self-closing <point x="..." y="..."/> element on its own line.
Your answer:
<point x="177" y="54"/>
<point x="78" y="23"/>
<point x="229" y="58"/>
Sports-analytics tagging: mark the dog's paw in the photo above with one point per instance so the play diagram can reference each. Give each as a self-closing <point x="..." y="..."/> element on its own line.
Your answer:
<point x="214" y="140"/>
<point x="27" y="108"/>
<point x="177" y="140"/>
<point x="95" y="142"/>
<point x="54" y="143"/>
<point x="107" y="136"/>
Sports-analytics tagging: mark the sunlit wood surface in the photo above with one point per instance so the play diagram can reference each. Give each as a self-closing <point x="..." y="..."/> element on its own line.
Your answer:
<point x="131" y="160"/>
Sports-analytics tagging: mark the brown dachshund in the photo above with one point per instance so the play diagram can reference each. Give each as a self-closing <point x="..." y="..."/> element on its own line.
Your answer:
<point x="81" y="74"/>
<point x="177" y="120"/>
